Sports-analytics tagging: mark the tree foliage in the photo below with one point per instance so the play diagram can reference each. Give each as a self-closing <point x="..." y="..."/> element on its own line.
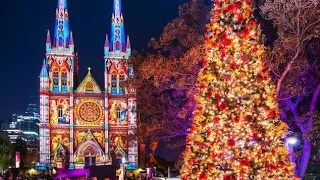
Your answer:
<point x="293" y="61"/>
<point x="5" y="153"/>
<point x="165" y="76"/>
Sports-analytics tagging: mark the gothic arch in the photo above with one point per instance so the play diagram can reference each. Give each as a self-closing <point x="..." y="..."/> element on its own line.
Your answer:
<point x="89" y="144"/>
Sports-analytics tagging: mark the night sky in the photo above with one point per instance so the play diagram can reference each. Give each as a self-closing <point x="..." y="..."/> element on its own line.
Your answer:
<point x="23" y="34"/>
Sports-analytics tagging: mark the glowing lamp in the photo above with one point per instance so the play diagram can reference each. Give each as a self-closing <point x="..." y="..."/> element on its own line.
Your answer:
<point x="292" y="140"/>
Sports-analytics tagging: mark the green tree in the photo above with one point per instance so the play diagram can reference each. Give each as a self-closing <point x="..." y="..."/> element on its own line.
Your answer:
<point x="5" y="153"/>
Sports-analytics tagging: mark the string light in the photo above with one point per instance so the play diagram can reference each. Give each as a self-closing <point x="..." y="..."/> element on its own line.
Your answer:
<point x="236" y="132"/>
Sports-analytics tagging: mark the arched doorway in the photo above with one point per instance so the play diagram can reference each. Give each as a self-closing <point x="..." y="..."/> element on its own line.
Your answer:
<point x="90" y="155"/>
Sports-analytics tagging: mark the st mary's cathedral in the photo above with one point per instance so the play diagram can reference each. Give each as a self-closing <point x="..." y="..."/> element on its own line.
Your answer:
<point x="80" y="124"/>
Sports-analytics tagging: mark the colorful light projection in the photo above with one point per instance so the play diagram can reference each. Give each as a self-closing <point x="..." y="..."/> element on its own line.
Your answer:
<point x="118" y="143"/>
<point x="89" y="112"/>
<point x="59" y="111"/>
<point x="118" y="113"/>
<point x="89" y="147"/>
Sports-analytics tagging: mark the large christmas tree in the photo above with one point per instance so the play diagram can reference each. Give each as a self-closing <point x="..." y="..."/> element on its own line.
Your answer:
<point x="236" y="132"/>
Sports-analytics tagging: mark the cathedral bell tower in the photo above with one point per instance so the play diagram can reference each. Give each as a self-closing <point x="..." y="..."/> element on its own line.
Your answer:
<point x="120" y="101"/>
<point x="57" y="81"/>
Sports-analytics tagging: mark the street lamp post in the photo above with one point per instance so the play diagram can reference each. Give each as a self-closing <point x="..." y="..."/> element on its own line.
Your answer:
<point x="290" y="143"/>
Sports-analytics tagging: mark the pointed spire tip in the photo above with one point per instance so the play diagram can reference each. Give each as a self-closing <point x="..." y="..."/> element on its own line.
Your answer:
<point x="48" y="41"/>
<point x="107" y="41"/>
<point x="71" y="43"/>
<point x="128" y="42"/>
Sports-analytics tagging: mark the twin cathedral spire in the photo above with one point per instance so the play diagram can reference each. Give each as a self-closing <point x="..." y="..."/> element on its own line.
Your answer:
<point x="60" y="46"/>
<point x="115" y="43"/>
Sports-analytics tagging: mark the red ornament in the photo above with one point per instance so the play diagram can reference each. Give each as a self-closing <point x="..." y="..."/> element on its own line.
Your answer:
<point x="244" y="33"/>
<point x="231" y="142"/>
<point x="281" y="163"/>
<point x="226" y="42"/>
<point x="203" y="123"/>
<point x="223" y="35"/>
<point x="255" y="136"/>
<point x="204" y="62"/>
<point x="209" y="94"/>
<point x="248" y="118"/>
<point x="223" y="52"/>
<point x="206" y="37"/>
<point x="248" y="2"/>
<point x="208" y="133"/>
<point x="228" y="177"/>
<point x="227" y="77"/>
<point x="239" y="18"/>
<point x="244" y="162"/>
<point x="245" y="59"/>
<point x="237" y="5"/>
<point x="271" y="166"/>
<point x="254" y="50"/>
<point x="222" y="106"/>
<point x="213" y="155"/>
<point x="203" y="176"/>
<point x="229" y="8"/>
<point x="261" y="95"/>
<point x="200" y="108"/>
<point x="216" y="120"/>
<point x="234" y="66"/>
<point x="272" y="113"/>
<point x="202" y="85"/>
<point x="236" y="119"/>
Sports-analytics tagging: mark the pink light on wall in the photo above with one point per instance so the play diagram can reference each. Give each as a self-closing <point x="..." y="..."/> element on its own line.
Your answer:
<point x="17" y="159"/>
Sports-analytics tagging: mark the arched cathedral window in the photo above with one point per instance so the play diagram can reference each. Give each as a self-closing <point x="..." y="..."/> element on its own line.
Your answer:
<point x="64" y="81"/>
<point x="55" y="81"/>
<point x="60" y="112"/>
<point x="114" y="84"/>
<point x="121" y="80"/>
<point x="118" y="114"/>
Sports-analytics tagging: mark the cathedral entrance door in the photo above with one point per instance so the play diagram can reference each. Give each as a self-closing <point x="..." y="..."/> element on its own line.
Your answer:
<point x="90" y="161"/>
<point x="90" y="156"/>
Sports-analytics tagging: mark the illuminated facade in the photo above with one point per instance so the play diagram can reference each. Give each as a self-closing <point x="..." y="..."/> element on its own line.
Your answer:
<point x="81" y="124"/>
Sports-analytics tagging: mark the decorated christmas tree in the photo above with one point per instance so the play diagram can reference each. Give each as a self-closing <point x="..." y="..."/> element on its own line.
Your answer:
<point x="236" y="132"/>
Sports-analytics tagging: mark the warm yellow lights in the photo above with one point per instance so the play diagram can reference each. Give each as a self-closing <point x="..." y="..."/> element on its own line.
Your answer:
<point x="235" y="132"/>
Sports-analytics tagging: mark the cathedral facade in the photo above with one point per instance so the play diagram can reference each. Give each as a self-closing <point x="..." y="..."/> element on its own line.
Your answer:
<point x="81" y="124"/>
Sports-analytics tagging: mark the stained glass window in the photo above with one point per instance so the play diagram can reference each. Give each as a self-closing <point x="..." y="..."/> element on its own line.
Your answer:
<point x="60" y="112"/>
<point x="121" y="89"/>
<point x="55" y="81"/>
<point x="64" y="82"/>
<point x="114" y="84"/>
<point x="118" y="113"/>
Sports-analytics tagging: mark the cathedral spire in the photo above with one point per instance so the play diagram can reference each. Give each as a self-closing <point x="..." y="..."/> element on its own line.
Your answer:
<point x="71" y="43"/>
<point x="61" y="31"/>
<point x="117" y="38"/>
<point x="106" y="46"/>
<point x="48" y="41"/>
<point x="44" y="70"/>
<point x="128" y="48"/>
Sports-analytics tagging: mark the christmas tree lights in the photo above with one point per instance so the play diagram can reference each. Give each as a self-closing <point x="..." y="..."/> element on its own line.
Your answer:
<point x="236" y="132"/>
